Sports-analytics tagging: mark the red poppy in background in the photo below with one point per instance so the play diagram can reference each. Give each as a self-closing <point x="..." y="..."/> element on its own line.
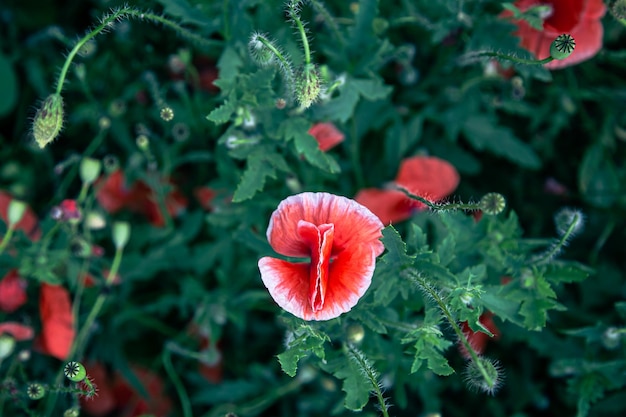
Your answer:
<point x="429" y="177"/>
<point x="114" y="194"/>
<point x="341" y="239"/>
<point x="57" y="322"/>
<point x="116" y="395"/>
<point x="579" y="18"/>
<point x="18" y="331"/>
<point x="478" y="340"/>
<point x="205" y="196"/>
<point x="29" y="223"/>
<point x="12" y="291"/>
<point x="326" y="135"/>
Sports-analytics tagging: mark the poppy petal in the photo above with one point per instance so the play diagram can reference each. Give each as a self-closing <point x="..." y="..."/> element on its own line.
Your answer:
<point x="19" y="331"/>
<point x="354" y="223"/>
<point x="57" y="331"/>
<point x="390" y="206"/>
<point x="326" y="135"/>
<point x="288" y="284"/>
<point x="12" y="292"/>
<point x="320" y="240"/>
<point x="429" y="177"/>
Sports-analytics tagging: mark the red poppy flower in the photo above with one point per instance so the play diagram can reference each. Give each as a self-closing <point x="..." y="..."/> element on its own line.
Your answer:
<point x="205" y="196"/>
<point x="19" y="331"/>
<point x="29" y="223"/>
<point x="478" y="340"/>
<point x="114" y="194"/>
<point x="579" y="18"/>
<point x="116" y="395"/>
<point x="341" y="238"/>
<point x="57" y="332"/>
<point x="12" y="292"/>
<point x="326" y="135"/>
<point x="429" y="177"/>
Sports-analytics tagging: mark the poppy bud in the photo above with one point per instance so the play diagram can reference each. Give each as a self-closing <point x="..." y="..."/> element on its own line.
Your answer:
<point x="568" y="220"/>
<point x="484" y="375"/>
<point x="260" y="49"/>
<point x="121" y="234"/>
<point x="307" y="86"/>
<point x="618" y="9"/>
<point x="16" y="211"/>
<point x="7" y="344"/>
<point x="355" y="333"/>
<point x="562" y="47"/>
<point x="89" y="170"/>
<point x="48" y="120"/>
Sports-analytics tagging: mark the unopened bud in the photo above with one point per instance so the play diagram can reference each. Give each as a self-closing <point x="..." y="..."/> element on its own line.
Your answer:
<point x="7" y="345"/>
<point x="260" y="49"/>
<point x="562" y="47"/>
<point x="355" y="333"/>
<point x="121" y="234"/>
<point x="17" y="209"/>
<point x="48" y="120"/>
<point x="307" y="86"/>
<point x="484" y="375"/>
<point x="618" y="9"/>
<point x="89" y="170"/>
<point x="569" y="220"/>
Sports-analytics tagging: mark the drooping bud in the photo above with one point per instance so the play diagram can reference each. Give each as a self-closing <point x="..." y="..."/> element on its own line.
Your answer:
<point x="307" y="86"/>
<point x="492" y="203"/>
<point x="569" y="220"/>
<point x="89" y="170"/>
<point x="260" y="49"/>
<point x="562" y="47"/>
<point x="48" y="120"/>
<point x="484" y="375"/>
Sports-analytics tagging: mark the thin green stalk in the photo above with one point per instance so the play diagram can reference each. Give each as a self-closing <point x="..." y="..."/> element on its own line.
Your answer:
<point x="555" y="249"/>
<point x="457" y="330"/>
<point x="439" y="207"/>
<point x="371" y="376"/>
<point x="490" y="54"/>
<point x="275" y="51"/>
<point x="305" y="41"/>
<point x="178" y="385"/>
<point x="6" y="238"/>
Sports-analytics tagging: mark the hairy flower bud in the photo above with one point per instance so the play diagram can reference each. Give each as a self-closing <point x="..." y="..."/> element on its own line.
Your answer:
<point x="484" y="375"/>
<point x="618" y="9"/>
<point x="48" y="120"/>
<point x="260" y="49"/>
<point x="307" y="86"/>
<point x="562" y="47"/>
<point x="569" y="220"/>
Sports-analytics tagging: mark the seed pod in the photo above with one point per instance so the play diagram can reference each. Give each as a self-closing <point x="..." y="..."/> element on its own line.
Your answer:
<point x="562" y="47"/>
<point x="35" y="391"/>
<point x="492" y="203"/>
<point x="48" y="120"/>
<point x="75" y="371"/>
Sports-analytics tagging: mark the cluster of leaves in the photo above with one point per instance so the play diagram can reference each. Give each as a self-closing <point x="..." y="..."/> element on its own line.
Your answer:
<point x="396" y="79"/>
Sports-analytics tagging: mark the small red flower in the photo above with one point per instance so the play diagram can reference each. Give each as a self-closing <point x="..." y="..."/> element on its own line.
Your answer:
<point x="114" y="194"/>
<point x="341" y="238"/>
<point x="116" y="395"/>
<point x="29" y="223"/>
<point x="478" y="340"/>
<point x="57" y="331"/>
<point x="429" y="177"/>
<point x="12" y="292"/>
<point x="579" y="18"/>
<point x="326" y="135"/>
<point x="69" y="210"/>
<point x="19" y="331"/>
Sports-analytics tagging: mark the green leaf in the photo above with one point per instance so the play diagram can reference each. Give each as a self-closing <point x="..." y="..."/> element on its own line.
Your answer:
<point x="597" y="178"/>
<point x="8" y="86"/>
<point x="482" y="133"/>
<point x="296" y="129"/>
<point x="262" y="163"/>
<point x="342" y="107"/>
<point x="222" y="114"/>
<point x="185" y="12"/>
<point x="566" y="272"/>
<point x="356" y="385"/>
<point x="228" y="65"/>
<point x="306" y="341"/>
<point x="429" y="349"/>
<point x="396" y="249"/>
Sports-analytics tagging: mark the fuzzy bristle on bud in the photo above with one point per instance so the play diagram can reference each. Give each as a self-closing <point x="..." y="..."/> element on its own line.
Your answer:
<point x="562" y="47"/>
<point x="485" y="375"/>
<point x="48" y="120"/>
<point x="307" y="86"/>
<point x="618" y="9"/>
<point x="569" y="221"/>
<point x="260" y="48"/>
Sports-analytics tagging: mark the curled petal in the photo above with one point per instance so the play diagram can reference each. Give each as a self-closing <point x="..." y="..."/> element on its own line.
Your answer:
<point x="19" y="331"/>
<point x="354" y="224"/>
<point x="327" y="135"/>
<point x="350" y="275"/>
<point x="429" y="177"/>
<point x="390" y="206"/>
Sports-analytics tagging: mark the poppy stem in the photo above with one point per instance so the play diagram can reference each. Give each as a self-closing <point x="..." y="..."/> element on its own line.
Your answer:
<point x="434" y="294"/>
<point x="371" y="375"/>
<point x="439" y="207"/>
<point x="471" y="57"/>
<point x="178" y="385"/>
<point x="6" y="238"/>
<point x="556" y="248"/>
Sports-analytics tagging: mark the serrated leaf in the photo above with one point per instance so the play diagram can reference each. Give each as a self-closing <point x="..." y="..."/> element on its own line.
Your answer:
<point x="483" y="134"/>
<point x="296" y="129"/>
<point x="261" y="163"/>
<point x="429" y="349"/>
<point x="228" y="65"/>
<point x="446" y="250"/>
<point x="372" y="89"/>
<point x="570" y="272"/>
<point x="222" y="114"/>
<point x="356" y="386"/>
<point x="396" y="249"/>
<point x="341" y="108"/>
<point x="535" y="312"/>
<point x="307" y="342"/>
